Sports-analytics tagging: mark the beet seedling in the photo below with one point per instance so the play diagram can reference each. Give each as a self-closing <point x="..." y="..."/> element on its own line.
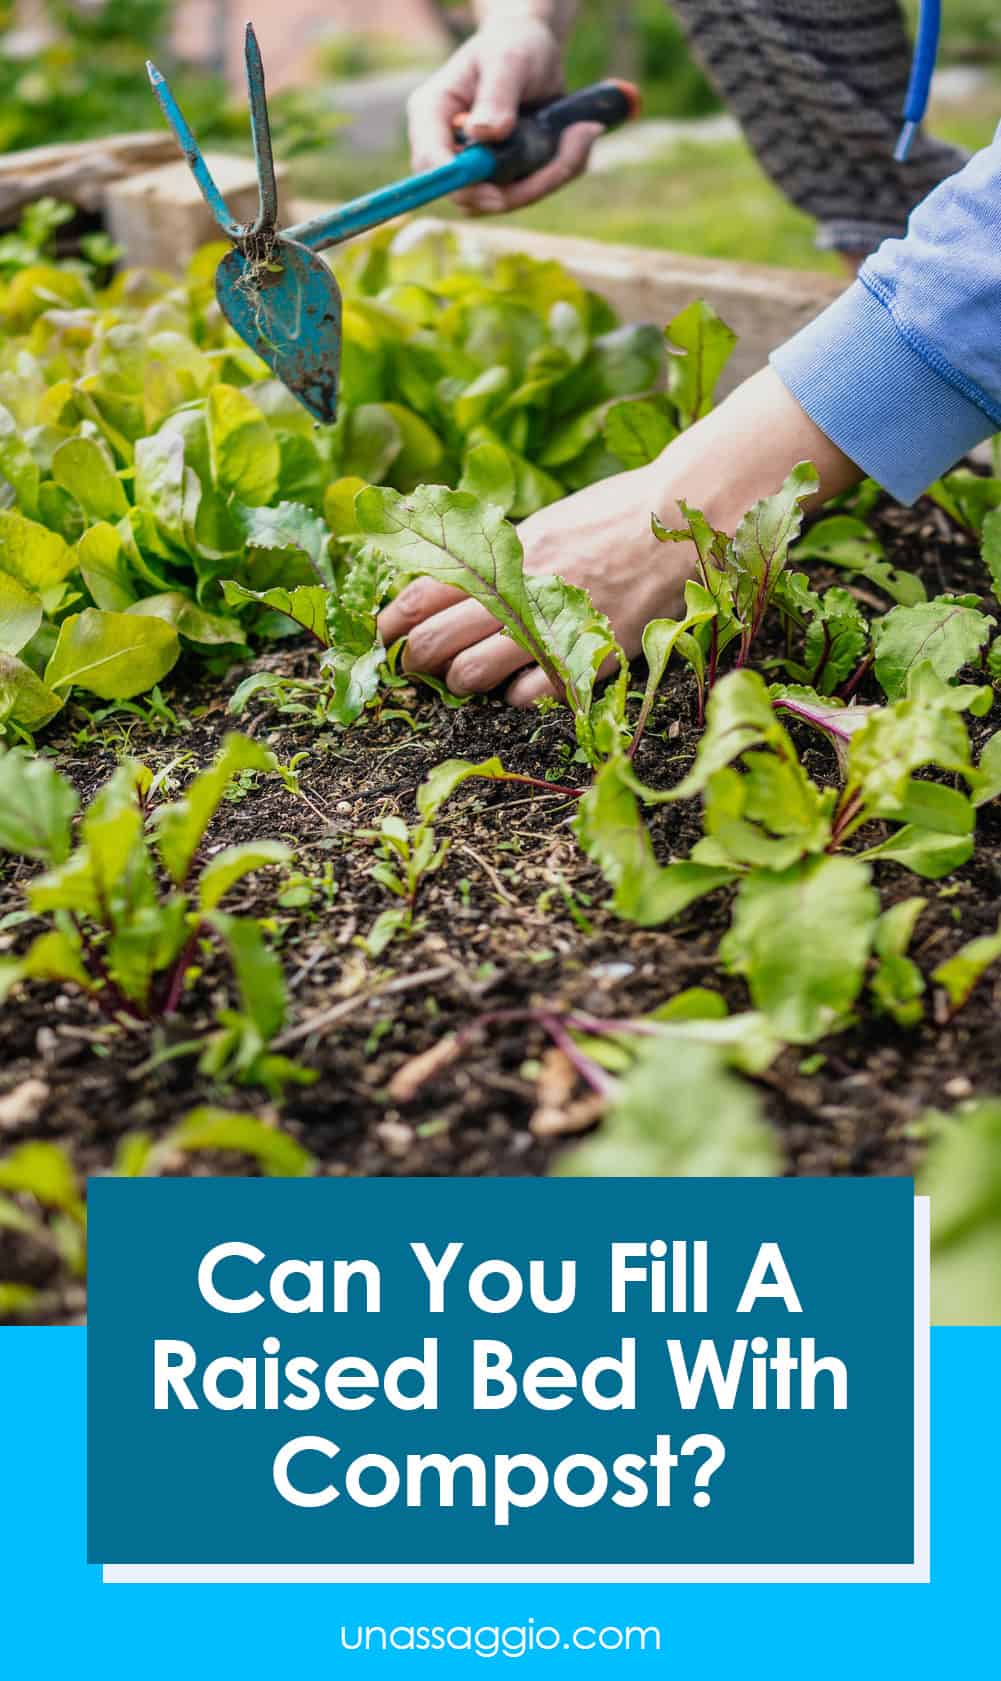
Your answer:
<point x="806" y="917"/>
<point x="408" y="854"/>
<point x="114" y="932"/>
<point x="738" y="577"/>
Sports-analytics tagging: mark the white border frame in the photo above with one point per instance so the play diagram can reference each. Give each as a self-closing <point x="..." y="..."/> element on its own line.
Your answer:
<point x="918" y="1571"/>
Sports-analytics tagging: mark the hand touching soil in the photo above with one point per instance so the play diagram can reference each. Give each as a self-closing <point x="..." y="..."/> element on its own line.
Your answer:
<point x="601" y="539"/>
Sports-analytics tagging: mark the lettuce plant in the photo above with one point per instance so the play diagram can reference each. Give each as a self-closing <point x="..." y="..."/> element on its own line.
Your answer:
<point x="157" y="491"/>
<point x="145" y="458"/>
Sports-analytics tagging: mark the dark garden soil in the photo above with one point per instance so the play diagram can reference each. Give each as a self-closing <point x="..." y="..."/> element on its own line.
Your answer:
<point x="512" y="920"/>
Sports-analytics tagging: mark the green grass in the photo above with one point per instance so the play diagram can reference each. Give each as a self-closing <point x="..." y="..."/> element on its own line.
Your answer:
<point x="710" y="200"/>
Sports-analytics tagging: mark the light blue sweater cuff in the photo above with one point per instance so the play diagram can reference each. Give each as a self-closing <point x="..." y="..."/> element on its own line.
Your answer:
<point x="875" y="396"/>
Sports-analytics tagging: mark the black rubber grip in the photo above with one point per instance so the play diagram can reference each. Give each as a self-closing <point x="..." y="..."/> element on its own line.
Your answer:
<point x="535" y="139"/>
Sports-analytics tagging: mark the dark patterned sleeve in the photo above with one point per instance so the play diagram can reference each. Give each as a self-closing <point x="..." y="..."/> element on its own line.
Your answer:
<point x="818" y="86"/>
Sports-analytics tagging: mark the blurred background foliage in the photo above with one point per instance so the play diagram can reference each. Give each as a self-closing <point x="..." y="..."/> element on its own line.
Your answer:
<point x="687" y="192"/>
<point x="89" y="79"/>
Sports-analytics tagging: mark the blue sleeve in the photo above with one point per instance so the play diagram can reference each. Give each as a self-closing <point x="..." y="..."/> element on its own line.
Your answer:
<point x="903" y="372"/>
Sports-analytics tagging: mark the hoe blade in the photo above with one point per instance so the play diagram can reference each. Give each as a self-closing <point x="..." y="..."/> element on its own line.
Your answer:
<point x="286" y="305"/>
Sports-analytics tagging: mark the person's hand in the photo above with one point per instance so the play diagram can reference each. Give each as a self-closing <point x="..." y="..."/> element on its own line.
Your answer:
<point x="499" y="68"/>
<point x="601" y="539"/>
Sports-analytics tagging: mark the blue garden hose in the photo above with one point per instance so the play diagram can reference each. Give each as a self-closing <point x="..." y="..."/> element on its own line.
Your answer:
<point x="922" y="65"/>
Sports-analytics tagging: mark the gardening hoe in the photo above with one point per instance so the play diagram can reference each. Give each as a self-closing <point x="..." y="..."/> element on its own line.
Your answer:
<point x="281" y="298"/>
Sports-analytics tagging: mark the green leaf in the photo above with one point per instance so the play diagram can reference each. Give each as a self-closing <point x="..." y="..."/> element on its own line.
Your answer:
<point x="448" y="535"/>
<point x="837" y="637"/>
<point x="801" y="938"/>
<point x="928" y="852"/>
<point x="748" y="1039"/>
<point x="17" y="1300"/>
<point x="610" y="830"/>
<point x="421" y="451"/>
<point x="181" y="825"/>
<point x="209" y="630"/>
<point x="384" y="929"/>
<point x="38" y="559"/>
<point x="988" y="783"/>
<point x="898" y="985"/>
<point x="164" y="485"/>
<point x="695" y="1003"/>
<point x="960" y="973"/>
<point x="107" y="875"/>
<point x="930" y="805"/>
<point x="307" y="605"/>
<point x="289" y="526"/>
<point x="943" y="633"/>
<point x="961" y="1175"/>
<point x="17" y="464"/>
<point x="44" y="1171"/>
<point x="966" y="497"/>
<point x="706" y="344"/>
<point x="25" y="702"/>
<point x="256" y="969"/>
<point x="104" y="568"/>
<point x="765" y="818"/>
<point x="353" y="665"/>
<point x="132" y="1156"/>
<point x="233" y="863"/>
<point x="339" y="505"/>
<point x="739" y="716"/>
<point x="113" y="655"/>
<point x="36" y="807"/>
<point x="207" y="1128"/>
<point x="897" y="989"/>
<point x="85" y="469"/>
<point x="56" y="956"/>
<point x="243" y="450"/>
<point x="761" y="541"/>
<point x="656" y="1125"/>
<point x="638" y="429"/>
<point x="990" y="548"/>
<point x="488" y="474"/>
<point x="620" y="363"/>
<point x="660" y="638"/>
<point x="445" y="778"/>
<point x="895" y="928"/>
<point x="371" y="442"/>
<point x="842" y="540"/>
<point x="533" y="487"/>
<point x="894" y="741"/>
<point x="20" y="614"/>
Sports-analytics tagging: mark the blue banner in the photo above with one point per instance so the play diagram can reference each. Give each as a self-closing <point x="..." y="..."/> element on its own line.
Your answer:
<point x="433" y="1376"/>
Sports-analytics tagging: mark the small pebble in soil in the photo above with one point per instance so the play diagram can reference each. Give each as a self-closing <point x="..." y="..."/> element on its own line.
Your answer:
<point x="959" y="1087"/>
<point x="23" y="1105"/>
<point x="396" y="1138"/>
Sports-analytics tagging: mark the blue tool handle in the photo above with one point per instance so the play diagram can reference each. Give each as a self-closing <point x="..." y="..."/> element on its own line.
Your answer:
<point x="533" y="142"/>
<point x="467" y="169"/>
